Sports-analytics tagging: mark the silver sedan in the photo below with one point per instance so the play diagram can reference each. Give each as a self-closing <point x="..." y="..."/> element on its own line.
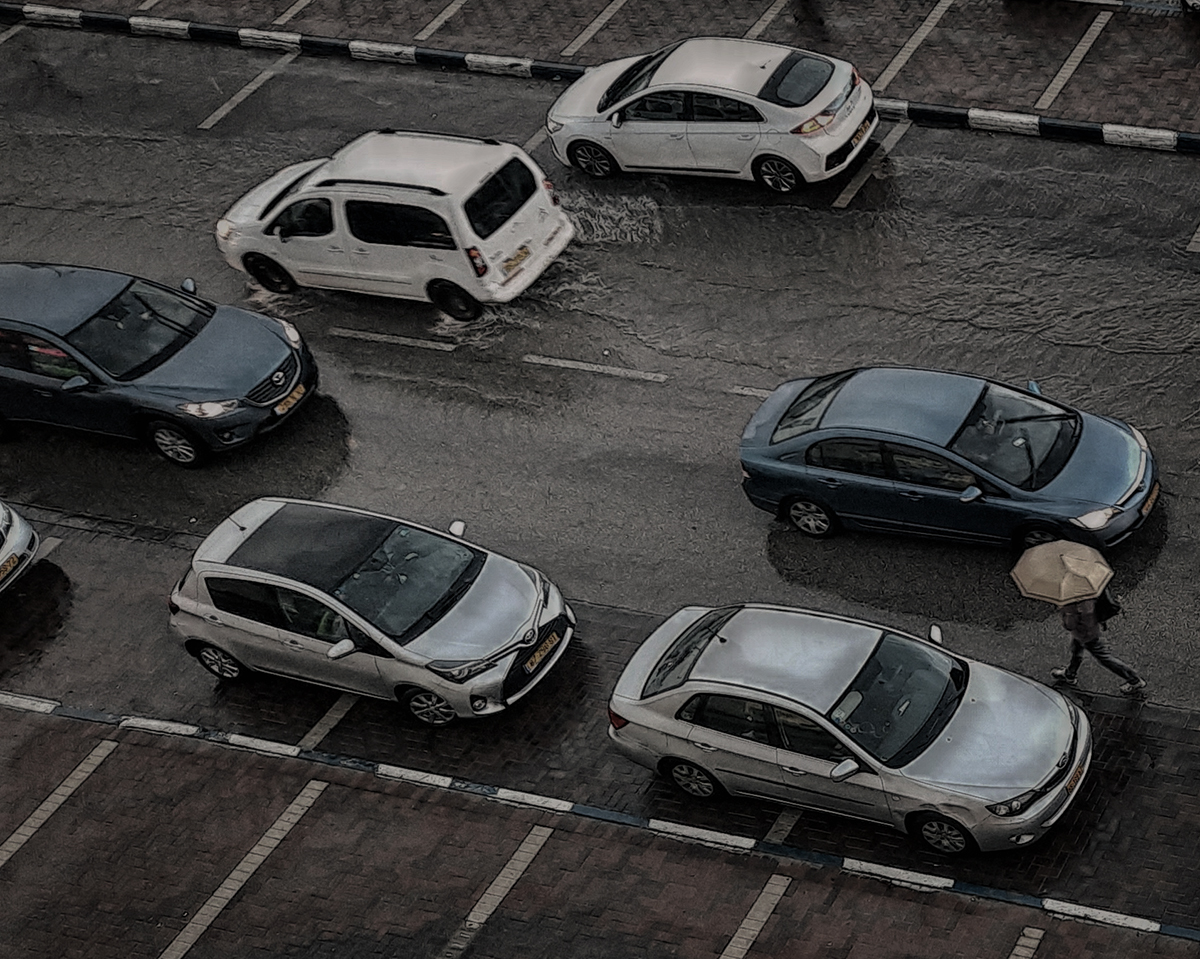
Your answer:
<point x="848" y="717"/>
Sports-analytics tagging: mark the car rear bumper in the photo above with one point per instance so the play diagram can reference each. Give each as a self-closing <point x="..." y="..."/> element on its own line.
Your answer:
<point x="19" y="550"/>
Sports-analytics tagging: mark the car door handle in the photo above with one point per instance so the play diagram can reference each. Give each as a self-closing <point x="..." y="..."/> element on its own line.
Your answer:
<point x="293" y="644"/>
<point x="794" y="771"/>
<point x="334" y="249"/>
<point x="43" y="393"/>
<point x="361" y="252"/>
<point x="675" y="136"/>
<point x="706" y="747"/>
<point x="913" y="495"/>
<point x="831" y="483"/>
<point x="214" y="619"/>
<point x="747" y="136"/>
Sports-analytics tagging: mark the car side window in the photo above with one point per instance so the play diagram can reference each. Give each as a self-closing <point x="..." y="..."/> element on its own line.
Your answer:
<point x="667" y="105"/>
<point x="864" y="457"/>
<point x="398" y="224"/>
<point x="800" y="735"/>
<point x="32" y="354"/>
<point x="310" y="617"/>
<point x="240" y="597"/>
<point x="927" y="469"/>
<point x="732" y="715"/>
<point x="707" y="107"/>
<point x="310" y="217"/>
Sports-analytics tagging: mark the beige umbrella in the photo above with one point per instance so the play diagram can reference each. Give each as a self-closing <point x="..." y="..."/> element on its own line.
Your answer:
<point x="1061" y="572"/>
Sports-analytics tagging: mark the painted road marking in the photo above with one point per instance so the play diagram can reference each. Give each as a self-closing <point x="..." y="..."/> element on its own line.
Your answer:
<point x="50" y="805"/>
<point x="290" y="12"/>
<point x="749" y="391"/>
<point x="1076" y="911"/>
<point x="906" y="51"/>
<point x="495" y="893"/>
<point x="147" y="5"/>
<point x="45" y="548"/>
<point x="765" y="20"/>
<point x="783" y="826"/>
<point x="1072" y="62"/>
<point x="31" y="704"/>
<point x="594" y="368"/>
<point x="11" y="32"/>
<point x="390" y="338"/>
<point x="244" y="870"/>
<point x="266" y="746"/>
<point x="898" y="877"/>
<point x="226" y="108"/>
<point x="1194" y="246"/>
<point x="871" y="167"/>
<point x="592" y="28"/>
<point x="535" y="141"/>
<point x="1027" y="943"/>
<point x="436" y="23"/>
<point x="708" y="837"/>
<point x="324" y="726"/>
<point x="757" y="917"/>
<point x="160" y="726"/>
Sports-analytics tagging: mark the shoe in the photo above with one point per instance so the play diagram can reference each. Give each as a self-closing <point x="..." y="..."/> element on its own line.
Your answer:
<point x="1059" y="675"/>
<point x="1130" y="688"/>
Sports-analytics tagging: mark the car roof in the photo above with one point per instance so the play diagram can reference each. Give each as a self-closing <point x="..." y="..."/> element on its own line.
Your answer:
<point x="929" y="405"/>
<point x="802" y="655"/>
<point x="725" y="62"/>
<point x="440" y="163"/>
<point x="55" y="298"/>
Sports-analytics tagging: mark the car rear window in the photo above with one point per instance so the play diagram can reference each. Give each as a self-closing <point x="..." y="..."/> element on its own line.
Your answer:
<point x="797" y="80"/>
<point x="677" y="662"/>
<point x="502" y="195"/>
<point x="804" y="415"/>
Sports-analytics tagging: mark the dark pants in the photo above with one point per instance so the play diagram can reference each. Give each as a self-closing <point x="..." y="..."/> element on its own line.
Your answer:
<point x="1099" y="649"/>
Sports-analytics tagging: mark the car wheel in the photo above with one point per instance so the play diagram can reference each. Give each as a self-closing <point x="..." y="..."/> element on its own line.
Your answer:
<point x="942" y="835"/>
<point x="269" y="274"/>
<point x="1036" y="536"/>
<point x="692" y="779"/>
<point x="218" y="662"/>
<point x="777" y="174"/>
<point x="454" y="301"/>
<point x="176" y="444"/>
<point x="811" y="518"/>
<point x="593" y="160"/>
<point x="427" y="707"/>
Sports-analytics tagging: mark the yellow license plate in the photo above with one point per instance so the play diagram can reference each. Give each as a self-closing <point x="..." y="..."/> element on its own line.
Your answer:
<point x="516" y="259"/>
<point x="291" y="400"/>
<point x="1150" y="500"/>
<point x="860" y="132"/>
<point x="542" y="652"/>
<point x="1075" y="777"/>
<point x="8" y="566"/>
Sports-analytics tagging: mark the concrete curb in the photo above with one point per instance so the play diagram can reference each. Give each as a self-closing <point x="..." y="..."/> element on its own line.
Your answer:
<point x="927" y="114"/>
<point x="677" y="831"/>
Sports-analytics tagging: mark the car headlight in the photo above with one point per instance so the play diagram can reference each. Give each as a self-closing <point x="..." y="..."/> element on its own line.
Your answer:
<point x="206" y="411"/>
<point x="459" y="671"/>
<point x="225" y="229"/>
<point x="292" y="334"/>
<point x="552" y="125"/>
<point x="1013" y="807"/>
<point x="1097" y="518"/>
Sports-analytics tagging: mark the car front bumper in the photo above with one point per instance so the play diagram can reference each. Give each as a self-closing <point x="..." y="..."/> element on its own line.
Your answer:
<point x="18" y="550"/>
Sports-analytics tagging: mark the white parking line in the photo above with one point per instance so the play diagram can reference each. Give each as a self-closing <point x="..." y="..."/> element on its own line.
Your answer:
<point x="495" y="893"/>
<point x="147" y="5"/>
<point x="324" y="726"/>
<point x="46" y="547"/>
<point x="226" y="108"/>
<point x="1071" y="64"/>
<point x="765" y="20"/>
<point x="50" y="805"/>
<point x="783" y="826"/>
<point x="594" y="368"/>
<point x="757" y="917"/>
<point x="871" y="167"/>
<point x="592" y="28"/>
<point x="290" y="12"/>
<point x="11" y="31"/>
<point x="391" y="338"/>
<point x="244" y="870"/>
<point x="1027" y="943"/>
<point x="748" y="391"/>
<point x="436" y="23"/>
<point x="535" y="141"/>
<point x="1194" y="246"/>
<point x="906" y="51"/>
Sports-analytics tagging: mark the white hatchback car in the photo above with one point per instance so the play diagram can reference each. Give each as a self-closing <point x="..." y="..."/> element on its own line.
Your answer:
<point x="457" y="221"/>
<point x="717" y="107"/>
<point x="18" y="545"/>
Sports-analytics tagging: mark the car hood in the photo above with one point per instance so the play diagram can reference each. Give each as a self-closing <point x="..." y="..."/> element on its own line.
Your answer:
<point x="1103" y="467"/>
<point x="581" y="98"/>
<point x="247" y="210"/>
<point x="498" y="608"/>
<point x="758" y="431"/>
<point x="1008" y="735"/>
<point x="234" y="352"/>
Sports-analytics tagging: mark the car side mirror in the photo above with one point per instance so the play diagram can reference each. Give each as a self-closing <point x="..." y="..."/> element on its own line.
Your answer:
<point x="457" y="528"/>
<point x="75" y="383"/>
<point x="341" y="650"/>
<point x="970" y="494"/>
<point x="1033" y="387"/>
<point x="935" y="634"/>
<point x="188" y="286"/>
<point x="616" y="119"/>
<point x="844" y="770"/>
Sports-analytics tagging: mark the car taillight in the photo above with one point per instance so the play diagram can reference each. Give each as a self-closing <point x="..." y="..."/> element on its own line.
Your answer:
<point x="815" y="124"/>
<point x="477" y="260"/>
<point x="550" y="189"/>
<point x="617" y="721"/>
<point x="857" y="79"/>
<point x="172" y="606"/>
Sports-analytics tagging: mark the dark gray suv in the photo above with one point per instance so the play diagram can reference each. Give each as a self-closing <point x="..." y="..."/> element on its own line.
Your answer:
<point x="114" y="354"/>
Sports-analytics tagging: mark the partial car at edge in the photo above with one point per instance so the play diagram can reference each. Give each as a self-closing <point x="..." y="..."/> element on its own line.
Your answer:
<point x="18" y="545"/>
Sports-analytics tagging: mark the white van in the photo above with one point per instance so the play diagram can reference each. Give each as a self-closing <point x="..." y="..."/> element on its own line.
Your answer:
<point x="457" y="221"/>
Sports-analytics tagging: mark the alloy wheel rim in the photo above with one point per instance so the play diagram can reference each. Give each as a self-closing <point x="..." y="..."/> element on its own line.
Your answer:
<point x="810" y="518"/>
<point x="692" y="781"/>
<point x="778" y="177"/>
<point x="431" y="708"/>
<point x="592" y="161"/>
<point x="174" y="445"/>
<point x="218" y="662"/>
<point x="944" y="836"/>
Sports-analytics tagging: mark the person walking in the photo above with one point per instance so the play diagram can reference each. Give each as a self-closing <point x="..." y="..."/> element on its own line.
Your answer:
<point x="1081" y="621"/>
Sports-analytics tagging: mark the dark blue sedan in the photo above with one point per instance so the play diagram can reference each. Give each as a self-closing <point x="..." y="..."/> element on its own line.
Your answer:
<point x="944" y="454"/>
<point x="114" y="354"/>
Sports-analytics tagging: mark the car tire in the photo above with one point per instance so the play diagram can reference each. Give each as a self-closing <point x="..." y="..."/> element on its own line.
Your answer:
<point x="777" y="174"/>
<point x="268" y="274"/>
<point x="426" y="707"/>
<point x="941" y="835"/>
<point x="810" y="517"/>
<point x="1030" y="536"/>
<point x="177" y="444"/>
<point x="454" y="301"/>
<point x="693" y="780"/>
<point x="592" y="159"/>
<point x="221" y="664"/>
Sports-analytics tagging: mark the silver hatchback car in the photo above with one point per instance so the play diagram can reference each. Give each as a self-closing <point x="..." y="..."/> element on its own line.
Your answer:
<point x="370" y="604"/>
<point x="848" y="717"/>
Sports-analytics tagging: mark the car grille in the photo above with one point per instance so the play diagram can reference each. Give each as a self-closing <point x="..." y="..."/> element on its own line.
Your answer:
<point x="838" y="156"/>
<point x="517" y="678"/>
<point x="278" y="385"/>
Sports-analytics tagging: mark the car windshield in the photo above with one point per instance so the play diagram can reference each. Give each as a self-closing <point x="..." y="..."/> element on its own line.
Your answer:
<point x="807" y="409"/>
<point x="411" y="580"/>
<point x="634" y="79"/>
<point x="797" y="80"/>
<point x="140" y="328"/>
<point x="1024" y="440"/>
<point x="502" y="195"/>
<point x="902" y="698"/>
<point x="677" y="662"/>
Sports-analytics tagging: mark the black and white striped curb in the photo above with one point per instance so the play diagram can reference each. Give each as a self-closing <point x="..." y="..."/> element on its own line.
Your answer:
<point x="902" y="877"/>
